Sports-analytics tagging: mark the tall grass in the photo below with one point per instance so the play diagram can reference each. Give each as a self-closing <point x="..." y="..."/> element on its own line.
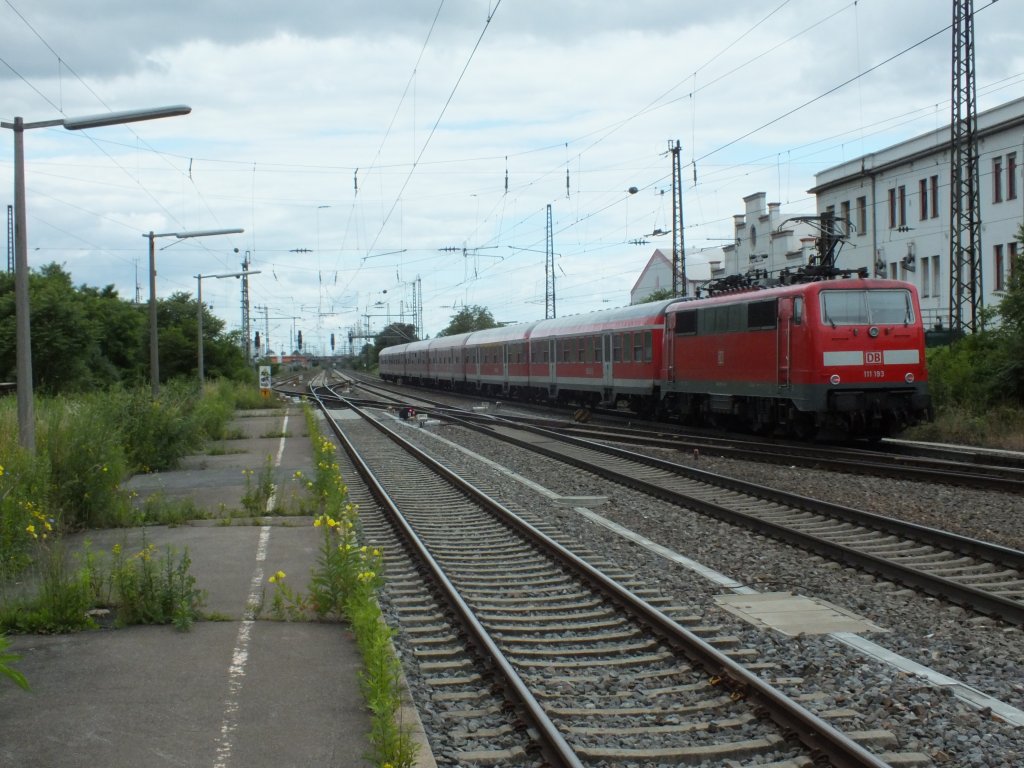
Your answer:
<point x="86" y="447"/>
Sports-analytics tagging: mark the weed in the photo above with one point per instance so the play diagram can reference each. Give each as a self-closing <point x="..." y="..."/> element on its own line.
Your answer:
<point x="157" y="509"/>
<point x="6" y="665"/>
<point x="155" y="590"/>
<point x="287" y="604"/>
<point x="258" y="493"/>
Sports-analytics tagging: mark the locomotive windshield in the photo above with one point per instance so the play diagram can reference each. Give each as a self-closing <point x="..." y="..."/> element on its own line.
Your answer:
<point x="873" y="307"/>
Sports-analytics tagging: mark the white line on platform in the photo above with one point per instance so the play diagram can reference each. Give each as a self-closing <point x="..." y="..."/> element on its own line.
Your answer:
<point x="277" y="463"/>
<point x="239" y="657"/>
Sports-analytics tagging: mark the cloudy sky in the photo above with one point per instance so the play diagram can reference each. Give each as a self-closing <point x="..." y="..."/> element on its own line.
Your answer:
<point x="370" y="147"/>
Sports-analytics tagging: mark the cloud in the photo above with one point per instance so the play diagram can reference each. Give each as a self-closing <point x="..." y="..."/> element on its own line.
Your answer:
<point x="294" y="105"/>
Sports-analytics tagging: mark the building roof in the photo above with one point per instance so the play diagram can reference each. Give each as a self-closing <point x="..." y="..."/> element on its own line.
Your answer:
<point x="990" y="121"/>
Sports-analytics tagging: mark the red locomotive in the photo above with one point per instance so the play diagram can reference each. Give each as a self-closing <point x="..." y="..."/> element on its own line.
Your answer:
<point x="841" y="356"/>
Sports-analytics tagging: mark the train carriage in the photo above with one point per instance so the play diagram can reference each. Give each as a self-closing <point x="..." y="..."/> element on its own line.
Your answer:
<point x="496" y="359"/>
<point x="843" y="355"/>
<point x="447" y="361"/>
<point x="609" y="357"/>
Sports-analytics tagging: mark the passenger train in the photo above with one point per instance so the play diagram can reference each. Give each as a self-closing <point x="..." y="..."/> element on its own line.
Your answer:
<point x="842" y="357"/>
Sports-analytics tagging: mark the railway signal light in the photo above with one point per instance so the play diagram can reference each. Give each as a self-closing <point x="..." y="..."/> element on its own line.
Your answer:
<point x="300" y="341"/>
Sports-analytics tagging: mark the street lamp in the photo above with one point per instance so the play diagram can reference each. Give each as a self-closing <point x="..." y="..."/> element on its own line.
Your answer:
<point x="199" y="312"/>
<point x="154" y="352"/>
<point x="26" y="411"/>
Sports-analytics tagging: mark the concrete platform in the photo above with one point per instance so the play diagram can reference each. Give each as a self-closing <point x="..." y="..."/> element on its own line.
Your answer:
<point x="240" y="691"/>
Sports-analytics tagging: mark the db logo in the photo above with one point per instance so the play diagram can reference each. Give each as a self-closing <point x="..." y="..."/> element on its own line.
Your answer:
<point x="873" y="358"/>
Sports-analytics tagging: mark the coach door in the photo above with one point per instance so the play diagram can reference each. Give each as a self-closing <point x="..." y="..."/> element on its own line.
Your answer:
<point x="504" y="368"/>
<point x="783" y="336"/>
<point x="607" y="362"/>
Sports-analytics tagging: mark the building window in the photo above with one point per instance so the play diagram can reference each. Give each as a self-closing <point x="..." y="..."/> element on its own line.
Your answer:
<point x="862" y="215"/>
<point x="997" y="179"/>
<point x="1011" y="176"/>
<point x="922" y="194"/>
<point x="844" y="208"/>
<point x="935" y="197"/>
<point x="926" y="277"/>
<point x="892" y="209"/>
<point x="903" y="206"/>
<point x="998" y="266"/>
<point x="936" y="273"/>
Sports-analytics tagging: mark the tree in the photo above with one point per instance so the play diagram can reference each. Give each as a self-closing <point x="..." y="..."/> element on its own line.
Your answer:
<point x="65" y="333"/>
<point x="179" y="354"/>
<point x="473" y="318"/>
<point x="395" y="333"/>
<point x="659" y="295"/>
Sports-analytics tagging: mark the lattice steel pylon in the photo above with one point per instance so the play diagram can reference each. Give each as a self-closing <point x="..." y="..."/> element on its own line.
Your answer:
<point x="247" y="344"/>
<point x="965" y="285"/>
<point x="549" y="271"/>
<point x="678" y="241"/>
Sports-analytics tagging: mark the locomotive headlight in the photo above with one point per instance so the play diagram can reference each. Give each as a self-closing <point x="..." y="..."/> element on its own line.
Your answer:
<point x="873" y="331"/>
<point x="833" y="379"/>
<point x="909" y="378"/>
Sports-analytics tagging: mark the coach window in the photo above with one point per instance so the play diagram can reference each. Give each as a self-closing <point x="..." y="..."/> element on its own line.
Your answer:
<point x="581" y="350"/>
<point x="627" y="347"/>
<point x="598" y="350"/>
<point x="648" y="347"/>
<point x="638" y="347"/>
<point x="617" y="348"/>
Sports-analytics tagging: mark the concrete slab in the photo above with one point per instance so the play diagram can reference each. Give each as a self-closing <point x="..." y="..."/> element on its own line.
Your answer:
<point x="794" y="614"/>
<point x="153" y="696"/>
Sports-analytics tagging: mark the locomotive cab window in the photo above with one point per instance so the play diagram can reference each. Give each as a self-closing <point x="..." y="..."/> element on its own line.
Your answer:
<point x="875" y="307"/>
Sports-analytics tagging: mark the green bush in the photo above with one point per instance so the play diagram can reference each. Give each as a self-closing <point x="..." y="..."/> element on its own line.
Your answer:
<point x="157" y="433"/>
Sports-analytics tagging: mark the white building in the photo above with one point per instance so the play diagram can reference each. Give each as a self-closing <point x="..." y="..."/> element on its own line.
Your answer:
<point x="765" y="241"/>
<point x="898" y="202"/>
<point x="657" y="276"/>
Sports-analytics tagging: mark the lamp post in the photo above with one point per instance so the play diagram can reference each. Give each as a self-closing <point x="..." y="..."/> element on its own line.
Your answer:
<point x="154" y="352"/>
<point x="199" y="312"/>
<point x="26" y="411"/>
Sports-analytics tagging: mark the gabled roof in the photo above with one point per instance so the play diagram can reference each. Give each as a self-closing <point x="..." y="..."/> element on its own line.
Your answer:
<point x="658" y="257"/>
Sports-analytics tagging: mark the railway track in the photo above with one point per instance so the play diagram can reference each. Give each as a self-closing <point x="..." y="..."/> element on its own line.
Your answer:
<point x="600" y="675"/>
<point x="947" y="465"/>
<point x="975" y="574"/>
